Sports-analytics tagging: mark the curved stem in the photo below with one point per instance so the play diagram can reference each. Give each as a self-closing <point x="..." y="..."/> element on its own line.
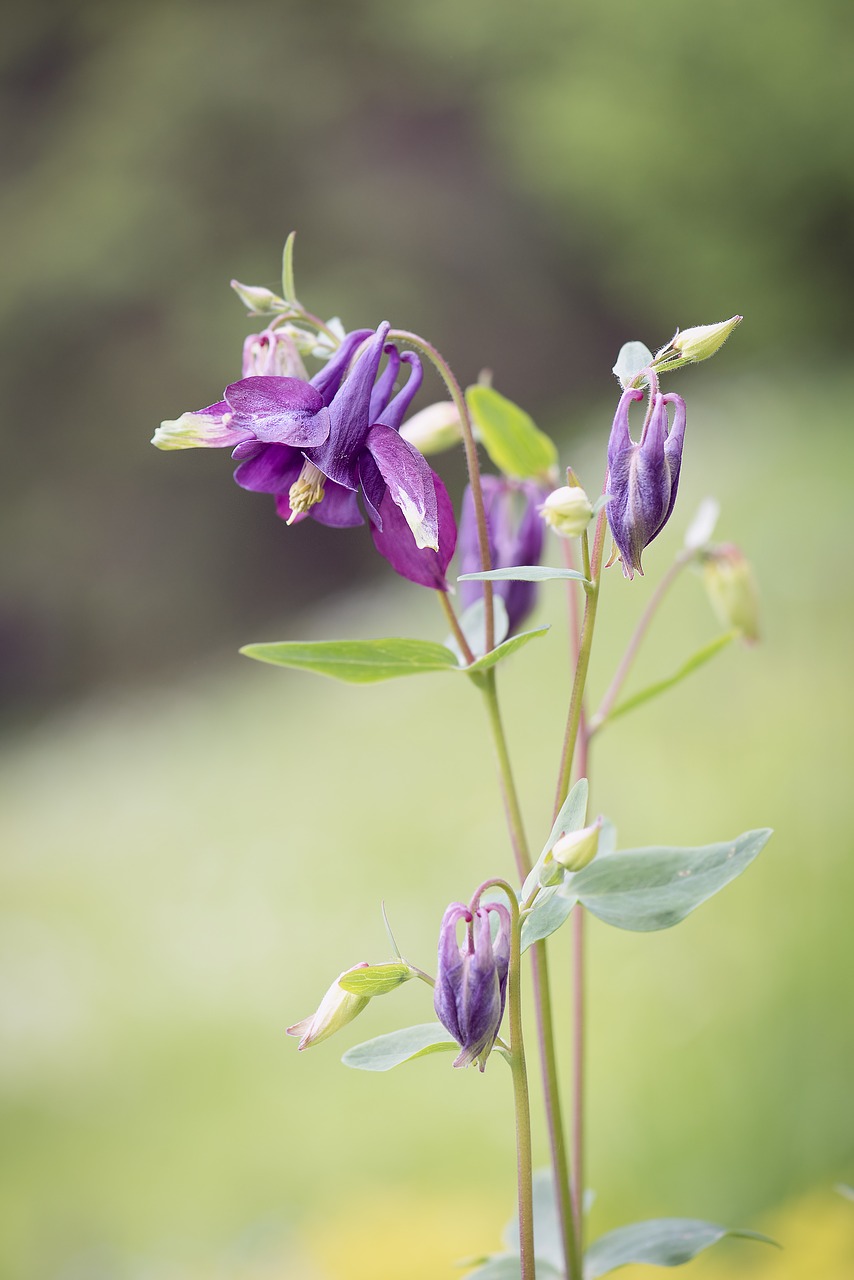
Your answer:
<point x="444" y="369"/>
<point x="454" y="624"/>
<point x="620" y="675"/>
<point x="515" y="823"/>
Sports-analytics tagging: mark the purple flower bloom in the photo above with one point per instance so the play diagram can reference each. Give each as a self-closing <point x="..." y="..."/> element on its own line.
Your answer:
<point x="471" y="980"/>
<point x="315" y="445"/>
<point x="515" y="537"/>
<point x="643" y="477"/>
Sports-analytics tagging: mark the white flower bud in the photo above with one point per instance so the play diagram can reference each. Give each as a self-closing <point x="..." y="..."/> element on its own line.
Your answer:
<point x="568" y="511"/>
<point x="574" y="850"/>
<point x="258" y="299"/>
<point x="704" y="339"/>
<point x="433" y="429"/>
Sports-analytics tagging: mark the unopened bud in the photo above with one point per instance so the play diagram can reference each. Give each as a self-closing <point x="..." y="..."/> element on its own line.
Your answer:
<point x="704" y="339"/>
<point x="433" y="429"/>
<point x="336" y="1009"/>
<point x="568" y="511"/>
<point x="258" y="299"/>
<point x="574" y="850"/>
<point x="731" y="588"/>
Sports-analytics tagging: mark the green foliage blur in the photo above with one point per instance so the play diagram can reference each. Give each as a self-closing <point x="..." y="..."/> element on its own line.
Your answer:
<point x="195" y="849"/>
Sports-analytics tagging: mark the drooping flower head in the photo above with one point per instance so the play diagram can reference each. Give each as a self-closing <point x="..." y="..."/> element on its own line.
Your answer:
<point x="316" y="444"/>
<point x="471" y="979"/>
<point x="515" y="538"/>
<point x="643" y="477"/>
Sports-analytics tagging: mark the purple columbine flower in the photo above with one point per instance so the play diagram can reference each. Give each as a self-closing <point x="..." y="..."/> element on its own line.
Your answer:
<point x="315" y="445"/>
<point x="643" y="477"/>
<point x="471" y="980"/>
<point x="515" y="537"/>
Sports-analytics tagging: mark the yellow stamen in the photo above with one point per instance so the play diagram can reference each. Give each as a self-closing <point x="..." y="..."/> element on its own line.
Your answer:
<point x="306" y="491"/>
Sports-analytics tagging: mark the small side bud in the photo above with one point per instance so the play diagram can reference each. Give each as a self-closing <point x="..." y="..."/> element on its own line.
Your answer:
<point x="704" y="339"/>
<point x="336" y="1009"/>
<point x="257" y="299"/>
<point x="577" y="848"/>
<point x="567" y="510"/>
<point x="433" y="429"/>
<point x="731" y="588"/>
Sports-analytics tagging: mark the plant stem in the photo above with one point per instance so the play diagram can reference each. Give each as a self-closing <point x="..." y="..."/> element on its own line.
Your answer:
<point x="444" y="369"/>
<point x="542" y="995"/>
<point x="454" y="624"/>
<point x="620" y="675"/>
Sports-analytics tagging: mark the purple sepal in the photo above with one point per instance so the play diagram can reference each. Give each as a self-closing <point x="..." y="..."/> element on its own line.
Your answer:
<point x="349" y="410"/>
<point x="279" y="410"/>
<point x="471" y="979"/>
<point x="409" y="480"/>
<point x="643" y="478"/>
<point x="515" y="537"/>
<point x="273" y="468"/>
<point x="393" y="539"/>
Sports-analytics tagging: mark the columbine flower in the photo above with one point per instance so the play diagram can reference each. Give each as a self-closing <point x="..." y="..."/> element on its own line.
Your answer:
<point x="315" y="444"/>
<point x="471" y="980"/>
<point x="643" y="477"/>
<point x="515" y="538"/>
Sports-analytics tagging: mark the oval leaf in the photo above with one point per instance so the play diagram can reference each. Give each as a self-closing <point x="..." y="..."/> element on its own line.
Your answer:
<point x="503" y="650"/>
<point x="375" y="979"/>
<point x="633" y="357"/>
<point x="385" y="1052"/>
<point x="548" y="913"/>
<point x="523" y="573"/>
<point x="357" y="661"/>
<point x="661" y="1242"/>
<point x="513" y="442"/>
<point x="647" y="889"/>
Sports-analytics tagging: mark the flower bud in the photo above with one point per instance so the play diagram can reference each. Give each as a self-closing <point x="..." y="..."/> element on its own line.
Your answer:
<point x="574" y="850"/>
<point x="704" y="339"/>
<point x="567" y="510"/>
<point x="272" y="353"/>
<point x="471" y="979"/>
<point x="731" y="588"/>
<point x="336" y="1009"/>
<point x="433" y="429"/>
<point x="258" y="299"/>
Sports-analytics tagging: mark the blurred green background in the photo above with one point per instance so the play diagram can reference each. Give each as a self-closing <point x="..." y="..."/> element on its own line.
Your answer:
<point x="193" y="847"/>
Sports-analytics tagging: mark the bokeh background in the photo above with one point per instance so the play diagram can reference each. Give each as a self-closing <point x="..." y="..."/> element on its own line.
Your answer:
<point x="193" y="847"/>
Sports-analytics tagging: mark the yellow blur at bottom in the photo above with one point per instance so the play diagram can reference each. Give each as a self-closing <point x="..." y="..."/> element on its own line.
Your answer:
<point x="389" y="1235"/>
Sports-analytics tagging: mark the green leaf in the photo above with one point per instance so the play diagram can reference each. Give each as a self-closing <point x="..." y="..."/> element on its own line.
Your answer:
<point x="696" y="660"/>
<point x="654" y="888"/>
<point x="391" y="1050"/>
<point x="504" y="650"/>
<point x="288" y="287"/>
<point x="633" y="357"/>
<point x="548" y="913"/>
<point x="661" y="1242"/>
<point x="523" y="573"/>
<point x="571" y="817"/>
<point x="375" y="979"/>
<point x="509" y="435"/>
<point x="357" y="661"/>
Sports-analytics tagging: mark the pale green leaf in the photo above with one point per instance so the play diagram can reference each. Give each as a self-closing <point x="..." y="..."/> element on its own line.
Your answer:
<point x="504" y="650"/>
<point x="571" y="817"/>
<point x="512" y="440"/>
<point x="654" y="888"/>
<point x="523" y="573"/>
<point x="289" y="292"/>
<point x="548" y="913"/>
<point x="698" y="659"/>
<point x="508" y="1266"/>
<point x="633" y="357"/>
<point x="357" y="661"/>
<point x="661" y="1242"/>
<point x="385" y="1052"/>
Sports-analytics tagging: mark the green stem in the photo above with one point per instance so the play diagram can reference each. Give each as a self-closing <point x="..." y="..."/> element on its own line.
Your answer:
<point x="470" y="445"/>
<point x="542" y="995"/>
<point x="454" y="624"/>
<point x="620" y="675"/>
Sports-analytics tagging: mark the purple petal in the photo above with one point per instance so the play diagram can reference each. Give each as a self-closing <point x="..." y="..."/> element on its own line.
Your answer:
<point x="394" y="540"/>
<point x="273" y="470"/>
<point x="374" y="488"/>
<point x="673" y="448"/>
<point x="384" y="384"/>
<point x="394" y="413"/>
<point x="515" y="533"/>
<point x="410" y="483"/>
<point x="338" y="508"/>
<point x="338" y="457"/>
<point x="279" y="410"/>
<point x="328" y="379"/>
<point x="449" y="971"/>
<point x="620" y="437"/>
